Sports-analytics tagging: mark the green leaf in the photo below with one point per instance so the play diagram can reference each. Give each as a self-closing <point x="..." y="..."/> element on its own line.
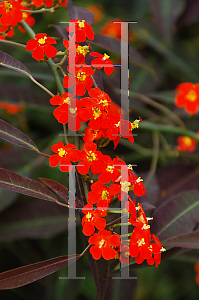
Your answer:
<point x="15" y="136"/>
<point x="21" y="184"/>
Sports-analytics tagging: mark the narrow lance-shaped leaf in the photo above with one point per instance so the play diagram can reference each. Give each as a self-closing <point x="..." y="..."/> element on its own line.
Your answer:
<point x="32" y="219"/>
<point x="27" y="274"/>
<point x="10" y="62"/>
<point x="15" y="136"/>
<point x="21" y="184"/>
<point x="61" y="190"/>
<point x="177" y="216"/>
<point x="187" y="240"/>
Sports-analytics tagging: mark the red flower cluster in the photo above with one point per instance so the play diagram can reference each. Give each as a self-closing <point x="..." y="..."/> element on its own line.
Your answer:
<point x="115" y="179"/>
<point x="11" y="14"/>
<point x="188" y="97"/>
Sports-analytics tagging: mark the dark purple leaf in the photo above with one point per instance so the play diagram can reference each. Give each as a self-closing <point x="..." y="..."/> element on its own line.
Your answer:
<point x="15" y="136"/>
<point x="24" y="275"/>
<point x="17" y="94"/>
<point x="12" y="63"/>
<point x="61" y="190"/>
<point x="114" y="45"/>
<point x="80" y="13"/>
<point x="187" y="240"/>
<point x="176" y="178"/>
<point x="32" y="219"/>
<point x="21" y="184"/>
<point x="177" y="216"/>
<point x="191" y="13"/>
<point x="166" y="14"/>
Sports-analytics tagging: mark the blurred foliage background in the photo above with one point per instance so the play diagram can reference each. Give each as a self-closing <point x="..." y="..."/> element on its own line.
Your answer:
<point x="167" y="38"/>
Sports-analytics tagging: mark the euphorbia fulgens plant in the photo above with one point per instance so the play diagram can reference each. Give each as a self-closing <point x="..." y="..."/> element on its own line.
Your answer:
<point x="84" y="108"/>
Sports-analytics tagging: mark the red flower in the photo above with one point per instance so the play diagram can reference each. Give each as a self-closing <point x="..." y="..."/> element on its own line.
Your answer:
<point x="111" y="169"/>
<point x="102" y="244"/>
<point x="124" y="257"/>
<point x="99" y="106"/>
<point x="112" y="29"/>
<point x="188" y="97"/>
<point x="81" y="78"/>
<point x="131" y="208"/>
<point x="90" y="158"/>
<point x="157" y="249"/>
<point x="102" y="61"/>
<point x="113" y="125"/>
<point x="196" y="267"/>
<point x="81" y="51"/>
<point x="12" y="109"/>
<point x="74" y="116"/>
<point x="62" y="2"/>
<point x="90" y="135"/>
<point x="11" y="12"/>
<point x="48" y="3"/>
<point x="64" y="156"/>
<point x="128" y="182"/>
<point x="139" y="244"/>
<point x="186" y="143"/>
<point x="42" y="45"/>
<point x="82" y="30"/>
<point x="99" y="192"/>
<point x="92" y="218"/>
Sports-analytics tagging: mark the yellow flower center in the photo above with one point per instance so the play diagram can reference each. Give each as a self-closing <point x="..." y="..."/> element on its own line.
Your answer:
<point x="96" y="112"/>
<point x="102" y="243"/>
<point x="126" y="254"/>
<point x="135" y="124"/>
<point x="104" y="195"/>
<point x="187" y="141"/>
<point x="62" y="152"/>
<point x="103" y="102"/>
<point x="89" y="216"/>
<point x="24" y="14"/>
<point x="125" y="186"/>
<point x="118" y="124"/>
<point x="141" y="242"/>
<point x="42" y="41"/>
<point x="191" y="96"/>
<point x="82" y="50"/>
<point x="8" y="6"/>
<point x="110" y="168"/>
<point x="67" y="100"/>
<point x="81" y="76"/>
<point x="72" y="110"/>
<point x="105" y="57"/>
<point x="81" y="24"/>
<point x="91" y="156"/>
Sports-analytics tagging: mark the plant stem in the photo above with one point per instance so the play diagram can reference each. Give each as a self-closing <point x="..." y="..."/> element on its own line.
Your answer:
<point x="169" y="129"/>
<point x="13" y="43"/>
